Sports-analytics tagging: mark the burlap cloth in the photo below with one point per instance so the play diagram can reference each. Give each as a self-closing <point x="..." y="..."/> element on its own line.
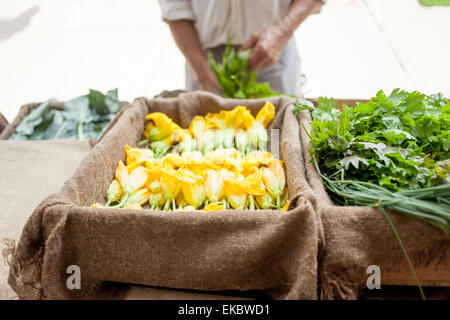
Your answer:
<point x="269" y="251"/>
<point x="357" y="237"/>
<point x="3" y="123"/>
<point x="25" y="110"/>
<point x="30" y="171"/>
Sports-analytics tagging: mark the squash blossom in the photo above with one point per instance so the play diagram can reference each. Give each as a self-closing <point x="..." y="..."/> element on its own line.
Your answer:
<point x="162" y="127"/>
<point x="242" y="142"/>
<point x="187" y="144"/>
<point x="254" y="184"/>
<point x="156" y="198"/>
<point x="214" y="185"/>
<point x="197" y="128"/>
<point x="217" y="121"/>
<point x="208" y="141"/>
<point x="134" y="206"/>
<point x="274" y="180"/>
<point x="234" y="120"/>
<point x="170" y="187"/>
<point x="114" y="192"/>
<point x="130" y="182"/>
<point x="235" y="191"/>
<point x="265" y="202"/>
<point x="215" y="206"/>
<point x="192" y="187"/>
<point x="137" y="155"/>
<point x="257" y="131"/>
<point x="138" y="197"/>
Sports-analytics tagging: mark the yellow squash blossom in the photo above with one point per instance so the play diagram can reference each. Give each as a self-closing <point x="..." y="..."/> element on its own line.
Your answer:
<point x="235" y="191"/>
<point x="208" y="141"/>
<point x="265" y="202"/>
<point x="170" y="187"/>
<point x="193" y="188"/>
<point x="196" y="128"/>
<point x="214" y="185"/>
<point x="214" y="206"/>
<point x="134" y="206"/>
<point x="257" y="132"/>
<point x="137" y="154"/>
<point x="234" y="119"/>
<point x="254" y="184"/>
<point x="162" y="126"/>
<point x="130" y="182"/>
<point x="274" y="180"/>
<point x="242" y="142"/>
<point x="114" y="192"/>
<point x="266" y="114"/>
<point x="140" y="197"/>
<point x="217" y="121"/>
<point x="156" y="198"/>
<point x="187" y="144"/>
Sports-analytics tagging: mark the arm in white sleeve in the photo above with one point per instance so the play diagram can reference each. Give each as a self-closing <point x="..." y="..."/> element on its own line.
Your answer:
<point x="172" y="10"/>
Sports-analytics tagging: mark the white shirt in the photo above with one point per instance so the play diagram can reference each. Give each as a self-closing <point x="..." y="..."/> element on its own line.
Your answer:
<point x="217" y="20"/>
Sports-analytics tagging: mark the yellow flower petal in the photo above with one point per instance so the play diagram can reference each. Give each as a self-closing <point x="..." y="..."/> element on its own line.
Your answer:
<point x="163" y="126"/>
<point x="114" y="192"/>
<point x="214" y="185"/>
<point x="286" y="206"/>
<point x="215" y="206"/>
<point x="139" y="196"/>
<point x="134" y="206"/>
<point x="266" y="114"/>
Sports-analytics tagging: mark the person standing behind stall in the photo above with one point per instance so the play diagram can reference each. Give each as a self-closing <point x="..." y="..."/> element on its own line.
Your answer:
<point x="265" y="26"/>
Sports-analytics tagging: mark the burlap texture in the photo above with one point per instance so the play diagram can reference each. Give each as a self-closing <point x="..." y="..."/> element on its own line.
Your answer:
<point x="30" y="171"/>
<point x="270" y="251"/>
<point x="3" y="123"/>
<point x="25" y="110"/>
<point x="357" y="237"/>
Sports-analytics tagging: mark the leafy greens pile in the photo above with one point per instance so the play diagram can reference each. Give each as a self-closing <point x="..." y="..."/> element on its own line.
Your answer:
<point x="235" y="77"/>
<point x="82" y="118"/>
<point x="391" y="152"/>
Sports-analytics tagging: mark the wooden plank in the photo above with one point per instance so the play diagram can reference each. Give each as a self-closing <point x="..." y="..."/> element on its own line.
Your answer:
<point x="431" y="276"/>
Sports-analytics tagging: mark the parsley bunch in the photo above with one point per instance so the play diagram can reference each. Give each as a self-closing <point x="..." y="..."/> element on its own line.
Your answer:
<point x="399" y="142"/>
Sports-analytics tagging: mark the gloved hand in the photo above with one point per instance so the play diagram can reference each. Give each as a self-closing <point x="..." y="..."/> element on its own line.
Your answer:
<point x="267" y="44"/>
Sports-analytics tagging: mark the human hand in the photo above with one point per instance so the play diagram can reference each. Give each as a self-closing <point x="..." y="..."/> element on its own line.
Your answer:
<point x="267" y="44"/>
<point x="207" y="81"/>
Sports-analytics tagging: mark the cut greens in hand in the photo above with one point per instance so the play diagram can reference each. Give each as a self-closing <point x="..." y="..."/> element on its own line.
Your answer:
<point x="235" y="77"/>
<point x="82" y="118"/>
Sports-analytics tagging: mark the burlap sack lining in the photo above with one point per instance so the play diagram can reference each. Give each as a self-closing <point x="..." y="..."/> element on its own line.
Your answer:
<point x="357" y="237"/>
<point x="24" y="110"/>
<point x="239" y="250"/>
<point x="3" y="123"/>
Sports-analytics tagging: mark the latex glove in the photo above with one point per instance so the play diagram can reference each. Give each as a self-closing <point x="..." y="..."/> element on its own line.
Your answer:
<point x="267" y="44"/>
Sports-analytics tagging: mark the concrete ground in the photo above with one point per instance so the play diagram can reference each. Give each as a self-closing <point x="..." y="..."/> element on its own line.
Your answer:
<point x="51" y="48"/>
